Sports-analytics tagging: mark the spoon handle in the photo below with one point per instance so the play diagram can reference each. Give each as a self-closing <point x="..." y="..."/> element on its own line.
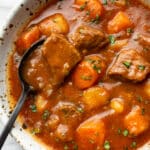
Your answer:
<point x="14" y="115"/>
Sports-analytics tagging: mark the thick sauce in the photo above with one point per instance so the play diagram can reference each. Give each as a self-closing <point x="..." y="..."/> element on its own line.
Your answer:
<point x="58" y="115"/>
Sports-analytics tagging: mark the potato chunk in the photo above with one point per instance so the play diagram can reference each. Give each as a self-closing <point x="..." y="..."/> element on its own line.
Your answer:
<point x="95" y="97"/>
<point x="94" y="7"/>
<point x="120" y="22"/>
<point x="40" y="102"/>
<point x="27" y="38"/>
<point x="90" y="134"/>
<point x="55" y="23"/>
<point x="136" y="122"/>
<point x="117" y="104"/>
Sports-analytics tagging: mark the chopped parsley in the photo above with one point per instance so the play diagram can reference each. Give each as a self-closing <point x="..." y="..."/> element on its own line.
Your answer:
<point x="66" y="147"/>
<point x="129" y="30"/>
<point x="82" y="7"/>
<point x="104" y="2"/>
<point x="97" y="68"/>
<point x="33" y="108"/>
<point x="86" y="77"/>
<point x="141" y="67"/>
<point x="125" y="133"/>
<point x="139" y="99"/>
<point x="45" y="114"/>
<point x="119" y="131"/>
<point x="127" y="64"/>
<point x="35" y="131"/>
<point x="80" y="109"/>
<point x="107" y="145"/>
<point x="111" y="39"/>
<point x="96" y="20"/>
<point x="134" y="144"/>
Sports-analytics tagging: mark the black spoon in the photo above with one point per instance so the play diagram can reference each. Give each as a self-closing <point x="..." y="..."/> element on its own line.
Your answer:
<point x="26" y="88"/>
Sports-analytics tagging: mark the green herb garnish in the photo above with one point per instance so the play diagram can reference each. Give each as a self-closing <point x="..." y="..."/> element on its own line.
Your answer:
<point x="96" y="20"/>
<point x="80" y="110"/>
<point x="129" y="30"/>
<point x="112" y="39"/>
<point x="127" y="64"/>
<point x="104" y="2"/>
<point x="83" y="6"/>
<point x="141" y="67"/>
<point x="66" y="147"/>
<point x="86" y="77"/>
<point x="143" y="111"/>
<point x="125" y="133"/>
<point x="133" y="144"/>
<point x="45" y="114"/>
<point x="107" y="145"/>
<point x="35" y="131"/>
<point x="33" y="108"/>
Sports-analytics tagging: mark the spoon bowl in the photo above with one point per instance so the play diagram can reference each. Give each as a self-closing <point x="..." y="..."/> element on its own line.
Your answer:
<point x="26" y="88"/>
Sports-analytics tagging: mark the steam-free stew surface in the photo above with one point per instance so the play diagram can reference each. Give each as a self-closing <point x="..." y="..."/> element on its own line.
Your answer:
<point x="90" y="77"/>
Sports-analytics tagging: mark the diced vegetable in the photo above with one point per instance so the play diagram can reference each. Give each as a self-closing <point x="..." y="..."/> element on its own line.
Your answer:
<point x="40" y="102"/>
<point x="117" y="104"/>
<point x="94" y="7"/>
<point x="88" y="71"/>
<point x="95" y="97"/>
<point x="136" y="122"/>
<point x="90" y="134"/>
<point x="121" y="3"/>
<point x="54" y="23"/>
<point x="120" y="22"/>
<point x="27" y="38"/>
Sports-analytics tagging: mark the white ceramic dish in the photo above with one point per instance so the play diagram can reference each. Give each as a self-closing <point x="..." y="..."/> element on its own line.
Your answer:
<point x="18" y="17"/>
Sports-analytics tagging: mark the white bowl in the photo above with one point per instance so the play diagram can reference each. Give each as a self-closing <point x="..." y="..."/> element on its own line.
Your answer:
<point x="19" y="17"/>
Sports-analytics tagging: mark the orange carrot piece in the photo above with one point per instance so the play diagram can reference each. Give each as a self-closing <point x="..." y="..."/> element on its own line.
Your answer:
<point x="27" y="38"/>
<point x="88" y="71"/>
<point x="120" y="22"/>
<point x="90" y="134"/>
<point x="94" y="7"/>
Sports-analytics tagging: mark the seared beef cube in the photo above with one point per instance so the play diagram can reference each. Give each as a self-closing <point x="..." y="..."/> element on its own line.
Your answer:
<point x="86" y="38"/>
<point x="61" y="57"/>
<point x="144" y="40"/>
<point x="68" y="112"/>
<point x="130" y="65"/>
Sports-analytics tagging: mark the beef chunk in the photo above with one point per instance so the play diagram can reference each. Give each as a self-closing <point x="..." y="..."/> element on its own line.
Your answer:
<point x="68" y="112"/>
<point x="136" y="122"/>
<point x="130" y="65"/>
<point x="86" y="38"/>
<point x="61" y="57"/>
<point x="144" y="40"/>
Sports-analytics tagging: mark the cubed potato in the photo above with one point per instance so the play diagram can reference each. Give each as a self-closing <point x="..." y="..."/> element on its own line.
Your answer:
<point x="90" y="134"/>
<point x="40" y="102"/>
<point x="94" y="7"/>
<point x="120" y="22"/>
<point x="95" y="97"/>
<point x="136" y="122"/>
<point x="27" y="38"/>
<point x="117" y="104"/>
<point x="54" y="23"/>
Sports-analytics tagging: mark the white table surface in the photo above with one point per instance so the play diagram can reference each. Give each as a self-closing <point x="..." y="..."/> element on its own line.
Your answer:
<point x="5" y="8"/>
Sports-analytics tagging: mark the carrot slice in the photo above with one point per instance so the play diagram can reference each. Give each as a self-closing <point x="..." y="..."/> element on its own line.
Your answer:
<point x="88" y="71"/>
<point x="120" y="22"/>
<point x="27" y="38"/>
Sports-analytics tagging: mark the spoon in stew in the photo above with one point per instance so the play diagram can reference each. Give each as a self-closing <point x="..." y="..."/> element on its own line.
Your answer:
<point x="26" y="88"/>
